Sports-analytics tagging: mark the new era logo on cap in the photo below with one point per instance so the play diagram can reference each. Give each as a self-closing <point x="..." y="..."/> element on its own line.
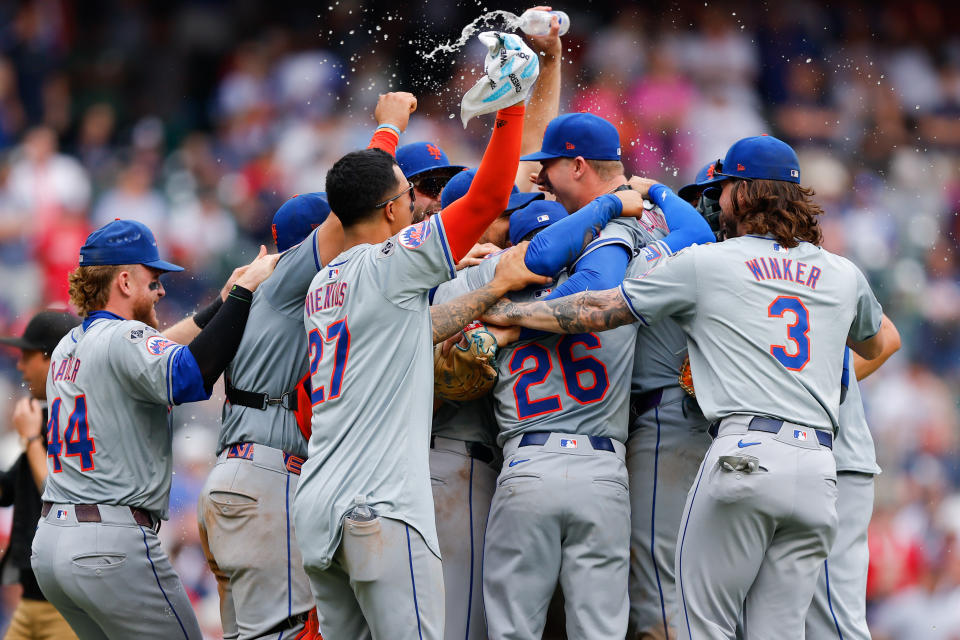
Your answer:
<point x="740" y="167"/>
<point x="571" y="146"/>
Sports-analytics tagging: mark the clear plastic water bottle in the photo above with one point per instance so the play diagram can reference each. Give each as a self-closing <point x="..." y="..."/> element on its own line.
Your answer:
<point x="361" y="511"/>
<point x="536" y="22"/>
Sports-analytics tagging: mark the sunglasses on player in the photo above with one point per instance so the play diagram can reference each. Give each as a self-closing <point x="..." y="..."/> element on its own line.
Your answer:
<point x="408" y="190"/>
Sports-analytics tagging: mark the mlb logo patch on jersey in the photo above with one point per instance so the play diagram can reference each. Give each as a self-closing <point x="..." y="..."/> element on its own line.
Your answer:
<point x="156" y="345"/>
<point x="415" y="235"/>
<point x="568" y="444"/>
<point x="541" y="293"/>
<point x="799" y="435"/>
<point x="61" y="514"/>
<point x="779" y="248"/>
<point x="333" y="273"/>
<point x="386" y="249"/>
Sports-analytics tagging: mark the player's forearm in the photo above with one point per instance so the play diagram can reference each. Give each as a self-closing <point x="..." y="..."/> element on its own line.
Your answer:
<point x="557" y="246"/>
<point x="580" y="313"/>
<point x="543" y="106"/>
<point x="686" y="225"/>
<point x="451" y="317"/>
<point x="215" y="346"/>
<point x="891" y="344"/>
<point x="466" y="219"/>
<point x="37" y="459"/>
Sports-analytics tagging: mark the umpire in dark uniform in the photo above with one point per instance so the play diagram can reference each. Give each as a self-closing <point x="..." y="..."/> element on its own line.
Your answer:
<point x="20" y="486"/>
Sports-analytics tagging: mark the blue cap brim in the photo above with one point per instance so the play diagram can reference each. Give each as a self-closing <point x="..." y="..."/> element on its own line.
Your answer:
<point x="538" y="156"/>
<point x="520" y="200"/>
<point x="162" y="265"/>
<point x="452" y="169"/>
<point x="687" y="192"/>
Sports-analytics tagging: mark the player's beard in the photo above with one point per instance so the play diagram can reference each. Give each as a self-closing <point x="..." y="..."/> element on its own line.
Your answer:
<point x="145" y="311"/>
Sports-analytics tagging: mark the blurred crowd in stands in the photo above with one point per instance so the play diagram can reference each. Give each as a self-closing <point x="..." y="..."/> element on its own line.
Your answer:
<point x="200" y="118"/>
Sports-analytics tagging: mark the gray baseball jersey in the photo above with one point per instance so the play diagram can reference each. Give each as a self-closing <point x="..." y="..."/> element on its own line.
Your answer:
<point x="749" y="331"/>
<point x="371" y="362"/>
<point x="471" y="421"/>
<point x="577" y="382"/>
<point x="110" y="384"/>
<point x="853" y="449"/>
<point x="271" y="357"/>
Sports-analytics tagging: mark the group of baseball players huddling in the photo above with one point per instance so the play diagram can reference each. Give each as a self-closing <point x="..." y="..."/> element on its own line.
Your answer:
<point x="673" y="435"/>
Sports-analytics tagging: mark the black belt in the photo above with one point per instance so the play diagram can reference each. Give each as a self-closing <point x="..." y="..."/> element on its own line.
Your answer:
<point x="289" y="623"/>
<point x="260" y="400"/>
<point x="771" y="425"/>
<point x="478" y="450"/>
<point x="534" y="438"/>
<point x="91" y="513"/>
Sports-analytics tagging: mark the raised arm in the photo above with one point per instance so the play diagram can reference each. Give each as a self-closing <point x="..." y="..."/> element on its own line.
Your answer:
<point x="544" y="104"/>
<point x="392" y="115"/>
<point x="580" y="313"/>
<point x="466" y="219"/>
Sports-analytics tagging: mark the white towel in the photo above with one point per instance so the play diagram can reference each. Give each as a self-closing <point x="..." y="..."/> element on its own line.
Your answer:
<point x="510" y="67"/>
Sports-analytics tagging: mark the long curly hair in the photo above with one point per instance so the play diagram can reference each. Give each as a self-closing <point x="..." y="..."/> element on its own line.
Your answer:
<point x="783" y="209"/>
<point x="90" y="286"/>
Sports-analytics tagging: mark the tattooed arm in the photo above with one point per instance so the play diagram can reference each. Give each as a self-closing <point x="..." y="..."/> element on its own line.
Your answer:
<point x="579" y="313"/>
<point x="451" y="317"/>
<point x="511" y="275"/>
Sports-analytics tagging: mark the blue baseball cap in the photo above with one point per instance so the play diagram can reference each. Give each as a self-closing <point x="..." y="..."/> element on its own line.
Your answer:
<point x="297" y="217"/>
<point x="705" y="177"/>
<point x="457" y="188"/>
<point x="578" y="134"/>
<point x="760" y="158"/>
<point x="123" y="242"/>
<point x="419" y="157"/>
<point x="535" y="215"/>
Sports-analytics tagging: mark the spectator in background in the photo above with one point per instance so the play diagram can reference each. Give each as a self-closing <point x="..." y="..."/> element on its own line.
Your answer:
<point x="202" y="232"/>
<point x="20" y="486"/>
<point x="133" y="198"/>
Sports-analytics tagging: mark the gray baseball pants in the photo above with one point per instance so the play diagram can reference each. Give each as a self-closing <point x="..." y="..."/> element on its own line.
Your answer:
<point x="462" y="491"/>
<point x="839" y="604"/>
<point x="751" y="544"/>
<point x="664" y="453"/>
<point x="110" y="579"/>
<point x="384" y="584"/>
<point x="560" y="512"/>
<point x="248" y="537"/>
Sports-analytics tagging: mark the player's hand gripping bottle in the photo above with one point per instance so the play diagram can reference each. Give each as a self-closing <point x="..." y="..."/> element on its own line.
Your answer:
<point x="536" y="22"/>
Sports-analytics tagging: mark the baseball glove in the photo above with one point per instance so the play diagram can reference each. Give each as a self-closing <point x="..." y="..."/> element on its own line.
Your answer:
<point x="686" y="377"/>
<point x="466" y="373"/>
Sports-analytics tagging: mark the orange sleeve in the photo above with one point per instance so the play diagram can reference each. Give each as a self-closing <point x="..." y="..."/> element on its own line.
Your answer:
<point x="466" y="219"/>
<point x="386" y="140"/>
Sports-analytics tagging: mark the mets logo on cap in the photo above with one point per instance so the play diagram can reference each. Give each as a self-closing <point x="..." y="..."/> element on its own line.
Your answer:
<point x="414" y="235"/>
<point x="156" y="345"/>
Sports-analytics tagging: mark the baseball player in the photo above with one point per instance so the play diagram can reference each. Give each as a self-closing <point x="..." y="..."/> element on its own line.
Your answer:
<point x="464" y="457"/>
<point x="244" y="508"/>
<point x="96" y="554"/>
<point x="34" y="618"/>
<point x="767" y="315"/>
<point x="524" y="558"/>
<point x="667" y="442"/>
<point x="428" y="169"/>
<point x="372" y="557"/>
<point x="838" y="609"/>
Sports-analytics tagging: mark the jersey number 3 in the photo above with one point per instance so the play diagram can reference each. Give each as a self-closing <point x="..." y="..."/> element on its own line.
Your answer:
<point x="796" y="356"/>
<point x="339" y="334"/>
<point x="76" y="439"/>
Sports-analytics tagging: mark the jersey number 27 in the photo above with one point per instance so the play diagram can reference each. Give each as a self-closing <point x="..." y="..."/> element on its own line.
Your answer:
<point x="338" y="334"/>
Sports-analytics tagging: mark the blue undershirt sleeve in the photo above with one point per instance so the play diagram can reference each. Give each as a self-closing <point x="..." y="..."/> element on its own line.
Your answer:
<point x="186" y="381"/>
<point x="557" y="246"/>
<point x="686" y="225"/>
